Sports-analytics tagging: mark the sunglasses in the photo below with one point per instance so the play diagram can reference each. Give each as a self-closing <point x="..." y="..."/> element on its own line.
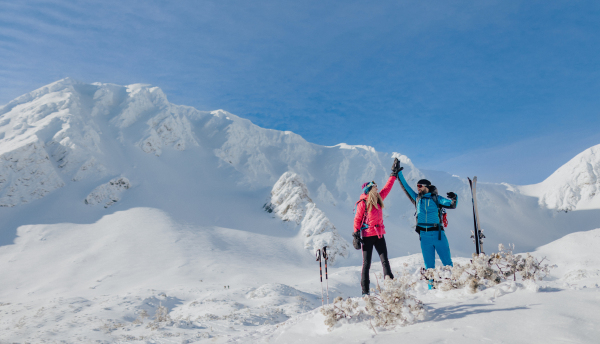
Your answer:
<point x="421" y="186"/>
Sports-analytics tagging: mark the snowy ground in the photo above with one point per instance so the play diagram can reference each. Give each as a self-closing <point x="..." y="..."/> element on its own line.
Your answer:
<point x="104" y="282"/>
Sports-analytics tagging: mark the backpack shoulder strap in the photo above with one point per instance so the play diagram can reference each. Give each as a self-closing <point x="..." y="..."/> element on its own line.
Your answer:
<point x="440" y="209"/>
<point x="356" y="205"/>
<point x="435" y="199"/>
<point x="364" y="219"/>
<point x="360" y="200"/>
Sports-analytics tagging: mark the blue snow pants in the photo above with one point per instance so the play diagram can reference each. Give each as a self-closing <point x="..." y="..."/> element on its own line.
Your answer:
<point x="430" y="244"/>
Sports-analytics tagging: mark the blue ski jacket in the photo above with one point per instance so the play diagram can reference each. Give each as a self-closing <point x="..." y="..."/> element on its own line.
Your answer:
<point x="427" y="210"/>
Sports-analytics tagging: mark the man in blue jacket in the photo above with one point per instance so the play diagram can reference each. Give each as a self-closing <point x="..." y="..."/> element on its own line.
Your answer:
<point x="429" y="223"/>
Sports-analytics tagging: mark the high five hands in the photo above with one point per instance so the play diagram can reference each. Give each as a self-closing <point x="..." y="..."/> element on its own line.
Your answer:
<point x="396" y="168"/>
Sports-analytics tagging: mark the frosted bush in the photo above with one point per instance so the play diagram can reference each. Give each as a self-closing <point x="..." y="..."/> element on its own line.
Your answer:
<point x="394" y="304"/>
<point x="140" y="319"/>
<point x="340" y="309"/>
<point x="111" y="325"/>
<point x="484" y="270"/>
<point x="528" y="268"/>
<point x="389" y="305"/>
<point x="161" y="316"/>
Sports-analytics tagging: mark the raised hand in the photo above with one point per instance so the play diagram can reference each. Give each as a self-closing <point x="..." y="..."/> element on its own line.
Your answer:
<point x="396" y="168"/>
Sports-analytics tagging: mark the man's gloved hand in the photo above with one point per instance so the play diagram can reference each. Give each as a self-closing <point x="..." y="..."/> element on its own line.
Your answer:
<point x="396" y="168"/>
<point x="451" y="195"/>
<point x="357" y="242"/>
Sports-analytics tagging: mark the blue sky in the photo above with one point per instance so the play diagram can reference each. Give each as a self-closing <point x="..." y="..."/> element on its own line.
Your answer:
<point x="506" y="90"/>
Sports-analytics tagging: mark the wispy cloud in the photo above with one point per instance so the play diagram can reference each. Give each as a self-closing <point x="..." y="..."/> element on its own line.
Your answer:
<point x="468" y="74"/>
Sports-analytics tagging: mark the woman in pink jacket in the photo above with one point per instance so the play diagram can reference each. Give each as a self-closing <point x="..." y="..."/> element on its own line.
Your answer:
<point x="369" y="220"/>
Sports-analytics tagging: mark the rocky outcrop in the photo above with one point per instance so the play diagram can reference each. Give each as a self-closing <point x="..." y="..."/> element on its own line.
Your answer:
<point x="290" y="202"/>
<point x="26" y="174"/>
<point x="108" y="193"/>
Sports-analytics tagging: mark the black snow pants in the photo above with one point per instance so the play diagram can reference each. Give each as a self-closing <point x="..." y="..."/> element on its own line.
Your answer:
<point x="367" y="250"/>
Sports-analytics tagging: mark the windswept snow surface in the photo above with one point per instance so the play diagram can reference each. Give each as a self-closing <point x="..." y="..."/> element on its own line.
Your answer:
<point x="174" y="218"/>
<point x="105" y="282"/>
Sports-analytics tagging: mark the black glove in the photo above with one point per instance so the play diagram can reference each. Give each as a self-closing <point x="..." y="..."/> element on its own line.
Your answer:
<point x="396" y="168"/>
<point x="451" y="195"/>
<point x="357" y="242"/>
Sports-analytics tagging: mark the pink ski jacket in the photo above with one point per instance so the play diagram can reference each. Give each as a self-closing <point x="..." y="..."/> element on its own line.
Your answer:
<point x="374" y="218"/>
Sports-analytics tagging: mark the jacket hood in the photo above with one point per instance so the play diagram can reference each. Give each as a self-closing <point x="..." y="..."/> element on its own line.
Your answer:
<point x="432" y="190"/>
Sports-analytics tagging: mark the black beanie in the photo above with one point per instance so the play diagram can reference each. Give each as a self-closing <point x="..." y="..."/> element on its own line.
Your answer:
<point x="424" y="182"/>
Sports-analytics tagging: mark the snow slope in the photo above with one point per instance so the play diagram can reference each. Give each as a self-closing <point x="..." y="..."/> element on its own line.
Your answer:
<point x="574" y="186"/>
<point x="105" y="282"/>
<point x="115" y="202"/>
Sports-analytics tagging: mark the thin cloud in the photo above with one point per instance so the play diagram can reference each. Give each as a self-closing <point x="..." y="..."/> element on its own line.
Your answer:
<point x="473" y="74"/>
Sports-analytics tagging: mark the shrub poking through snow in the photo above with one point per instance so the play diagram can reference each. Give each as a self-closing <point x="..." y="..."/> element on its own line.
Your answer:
<point x="340" y="309"/>
<point x="393" y="303"/>
<point x="389" y="305"/>
<point x="161" y="316"/>
<point x="484" y="270"/>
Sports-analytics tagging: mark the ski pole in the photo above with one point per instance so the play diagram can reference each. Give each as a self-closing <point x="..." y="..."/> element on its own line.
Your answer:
<point x="320" y="274"/>
<point x="326" y="278"/>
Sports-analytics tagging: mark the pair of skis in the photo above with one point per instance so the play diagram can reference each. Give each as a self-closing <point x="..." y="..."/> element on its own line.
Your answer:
<point x="323" y="253"/>
<point x="477" y="234"/>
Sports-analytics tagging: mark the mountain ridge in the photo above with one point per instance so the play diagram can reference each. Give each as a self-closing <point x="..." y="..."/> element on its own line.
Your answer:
<point x="573" y="186"/>
<point x="76" y="137"/>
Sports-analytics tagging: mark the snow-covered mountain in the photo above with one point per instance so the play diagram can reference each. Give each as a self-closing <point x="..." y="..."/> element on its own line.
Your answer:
<point x="115" y="202"/>
<point x="574" y="186"/>
<point x="69" y="141"/>
<point x="63" y="144"/>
